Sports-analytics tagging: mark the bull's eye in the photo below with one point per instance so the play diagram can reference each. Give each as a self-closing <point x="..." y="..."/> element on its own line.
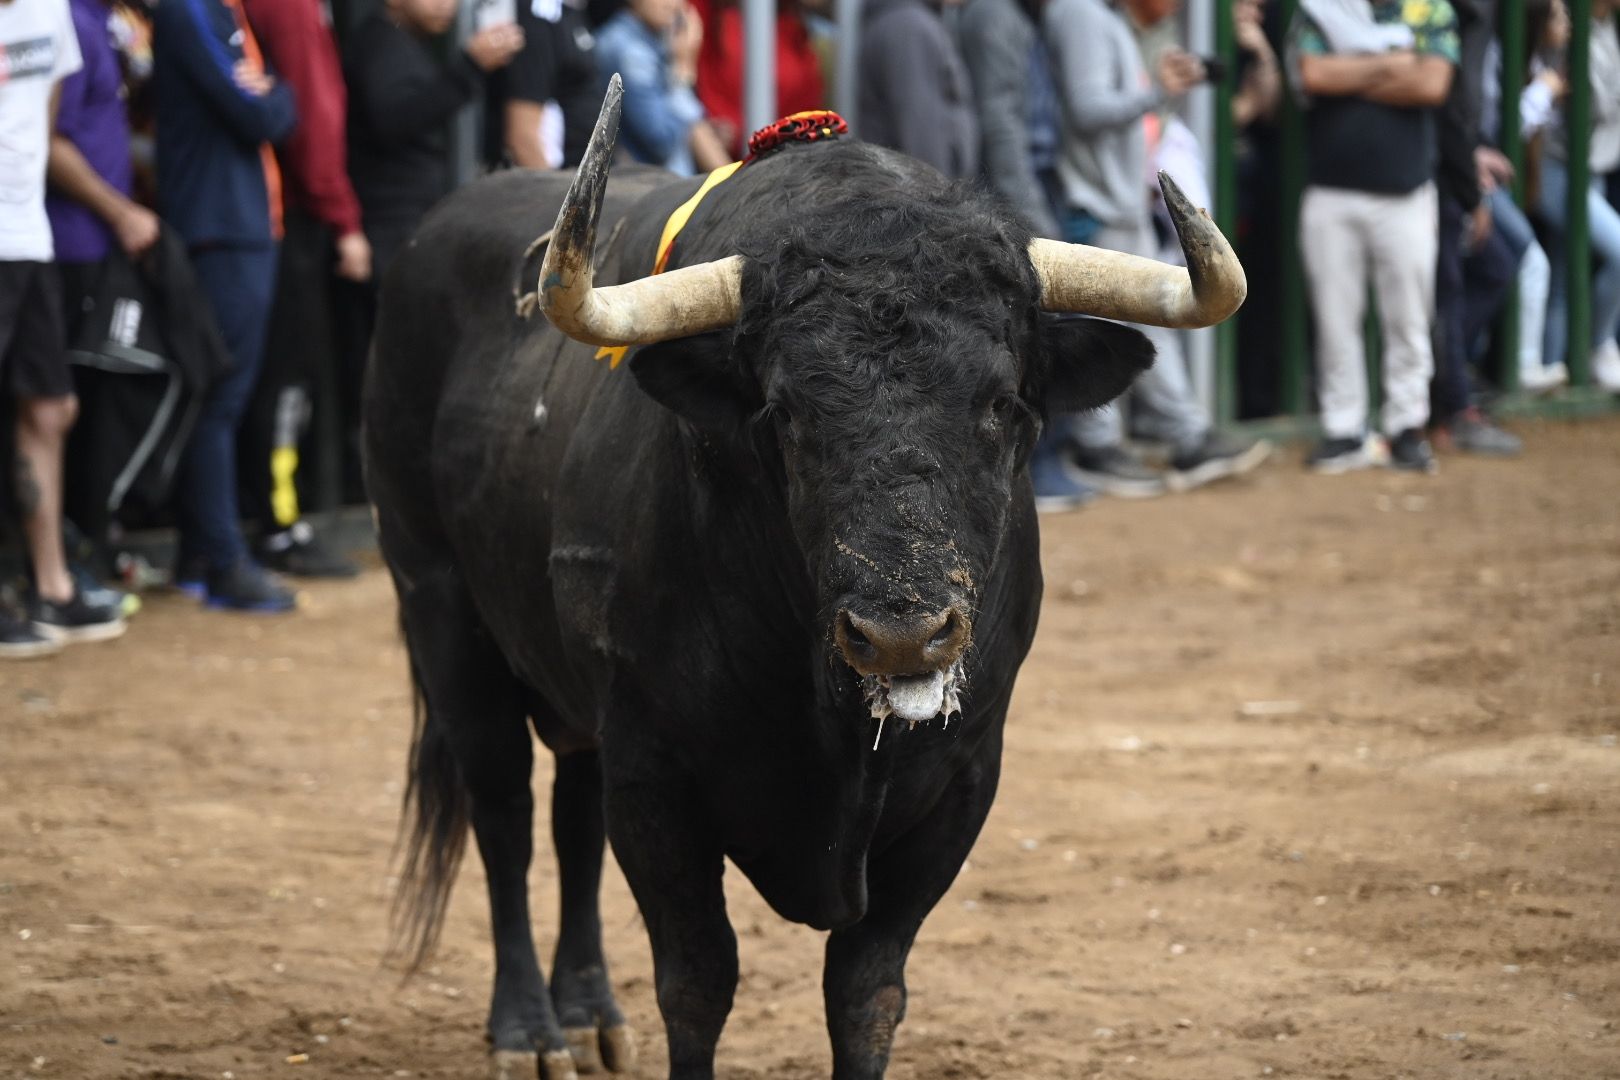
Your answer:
<point x="1003" y="409"/>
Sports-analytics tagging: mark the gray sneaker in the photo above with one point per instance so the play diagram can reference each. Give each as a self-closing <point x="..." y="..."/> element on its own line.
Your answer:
<point x="1115" y="470"/>
<point x="1216" y="456"/>
<point x="1472" y="433"/>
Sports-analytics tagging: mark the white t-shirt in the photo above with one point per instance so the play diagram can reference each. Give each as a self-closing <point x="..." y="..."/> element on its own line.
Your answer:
<point x="38" y="48"/>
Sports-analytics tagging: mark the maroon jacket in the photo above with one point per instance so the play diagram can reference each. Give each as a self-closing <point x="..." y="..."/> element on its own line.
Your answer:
<point x="298" y="43"/>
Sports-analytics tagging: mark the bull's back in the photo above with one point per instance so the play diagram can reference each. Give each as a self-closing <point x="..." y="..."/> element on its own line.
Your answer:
<point x="472" y="399"/>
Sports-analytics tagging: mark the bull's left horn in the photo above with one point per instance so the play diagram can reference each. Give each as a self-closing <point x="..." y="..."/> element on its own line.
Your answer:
<point x="689" y="300"/>
<point x="1113" y="285"/>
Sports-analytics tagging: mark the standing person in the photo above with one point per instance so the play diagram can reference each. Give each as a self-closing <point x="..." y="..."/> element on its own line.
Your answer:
<point x="1465" y="227"/>
<point x="914" y="87"/>
<point x="1371" y="209"/>
<point x="799" y="84"/>
<point x="1108" y="97"/>
<point x="322" y="232"/>
<point x="1603" y="220"/>
<point x="401" y="100"/>
<point x="551" y="82"/>
<point x="218" y="110"/>
<point x="653" y="45"/>
<point x="38" y="49"/>
<point x="1017" y="117"/>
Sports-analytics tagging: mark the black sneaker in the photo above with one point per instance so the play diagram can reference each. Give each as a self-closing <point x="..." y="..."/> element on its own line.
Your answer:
<point x="76" y="620"/>
<point x="1215" y="457"/>
<point x="299" y="552"/>
<point x="1333" y="457"/>
<point x="247" y="586"/>
<point x="20" y="641"/>
<point x="1115" y="470"/>
<point x="1410" y="451"/>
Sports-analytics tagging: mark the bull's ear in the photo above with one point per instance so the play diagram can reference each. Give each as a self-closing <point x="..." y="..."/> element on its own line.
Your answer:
<point x="694" y="377"/>
<point x="1090" y="362"/>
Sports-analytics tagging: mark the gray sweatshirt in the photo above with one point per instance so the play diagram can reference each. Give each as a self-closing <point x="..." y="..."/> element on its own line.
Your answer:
<point x="997" y="41"/>
<point x="1604" y="153"/>
<point x="914" y="89"/>
<point x="1105" y="92"/>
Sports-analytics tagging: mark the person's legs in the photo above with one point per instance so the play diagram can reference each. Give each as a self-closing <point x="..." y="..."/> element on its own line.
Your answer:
<point x="1603" y="223"/>
<point x="1404" y="249"/>
<point x="239" y="282"/>
<point x="36" y="373"/>
<point x="1553" y="204"/>
<point x="1449" y="390"/>
<point x="298" y="345"/>
<point x="1334" y="247"/>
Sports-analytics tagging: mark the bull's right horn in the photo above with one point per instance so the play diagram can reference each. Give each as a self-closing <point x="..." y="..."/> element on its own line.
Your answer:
<point x="688" y="300"/>
<point x="1113" y="285"/>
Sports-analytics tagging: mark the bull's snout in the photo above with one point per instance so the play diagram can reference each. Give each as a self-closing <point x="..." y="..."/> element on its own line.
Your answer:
<point x="902" y="647"/>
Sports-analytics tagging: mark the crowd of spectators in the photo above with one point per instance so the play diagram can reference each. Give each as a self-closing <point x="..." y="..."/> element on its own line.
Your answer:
<point x="161" y="151"/>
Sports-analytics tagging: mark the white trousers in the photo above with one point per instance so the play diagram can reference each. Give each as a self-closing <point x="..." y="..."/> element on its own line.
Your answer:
<point x="1346" y="238"/>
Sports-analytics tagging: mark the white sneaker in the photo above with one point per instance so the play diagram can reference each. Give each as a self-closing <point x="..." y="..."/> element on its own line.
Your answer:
<point x="1606" y="366"/>
<point x="1543" y="377"/>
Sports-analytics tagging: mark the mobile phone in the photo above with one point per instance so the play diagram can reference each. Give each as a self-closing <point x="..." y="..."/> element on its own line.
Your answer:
<point x="1214" y="68"/>
<point x="488" y="13"/>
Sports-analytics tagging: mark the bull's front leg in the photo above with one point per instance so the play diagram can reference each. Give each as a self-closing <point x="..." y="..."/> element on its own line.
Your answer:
<point x="674" y="866"/>
<point x="864" y="982"/>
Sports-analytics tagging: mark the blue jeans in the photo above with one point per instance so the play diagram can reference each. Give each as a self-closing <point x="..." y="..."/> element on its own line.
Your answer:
<point x="240" y="283"/>
<point x="1604" y="229"/>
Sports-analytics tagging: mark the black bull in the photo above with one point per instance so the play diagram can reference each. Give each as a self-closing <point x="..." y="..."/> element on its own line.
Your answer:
<point x="700" y="579"/>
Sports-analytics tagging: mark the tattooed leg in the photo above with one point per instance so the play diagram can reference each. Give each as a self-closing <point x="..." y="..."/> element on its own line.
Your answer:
<point x="42" y="428"/>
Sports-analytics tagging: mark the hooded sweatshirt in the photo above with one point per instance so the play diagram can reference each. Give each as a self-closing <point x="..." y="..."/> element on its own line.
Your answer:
<point x="915" y="94"/>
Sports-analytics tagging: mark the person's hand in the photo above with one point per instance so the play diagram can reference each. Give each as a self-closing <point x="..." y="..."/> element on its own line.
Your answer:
<point x="354" y="257"/>
<point x="1179" y="71"/>
<point x="1248" y="28"/>
<point x="1479" y="226"/>
<point x="495" y="47"/>
<point x="251" y="78"/>
<point x="137" y="229"/>
<point x="685" y="43"/>
<point x="1555" y="82"/>
<point x="1493" y="166"/>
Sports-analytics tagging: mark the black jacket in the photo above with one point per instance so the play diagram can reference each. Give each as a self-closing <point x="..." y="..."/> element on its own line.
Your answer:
<point x="1459" y="116"/>
<point x="401" y="100"/>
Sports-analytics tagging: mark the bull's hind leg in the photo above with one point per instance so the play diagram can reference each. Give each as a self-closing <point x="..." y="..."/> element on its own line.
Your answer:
<point x="475" y="705"/>
<point x="864" y="981"/>
<point x="580" y="990"/>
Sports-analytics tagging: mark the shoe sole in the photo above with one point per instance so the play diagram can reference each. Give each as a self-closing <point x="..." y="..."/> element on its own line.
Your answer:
<point x="263" y="607"/>
<point x="194" y="589"/>
<point x="1059" y="504"/>
<point x="82" y="635"/>
<point x="31" y="650"/>
<point x="1220" y="468"/>
<point x="1122" y="489"/>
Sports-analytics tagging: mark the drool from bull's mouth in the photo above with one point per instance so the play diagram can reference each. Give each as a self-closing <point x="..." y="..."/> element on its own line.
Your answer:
<point x="916" y="699"/>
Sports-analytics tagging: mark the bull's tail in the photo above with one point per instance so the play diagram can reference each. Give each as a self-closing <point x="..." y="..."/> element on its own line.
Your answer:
<point x="433" y="831"/>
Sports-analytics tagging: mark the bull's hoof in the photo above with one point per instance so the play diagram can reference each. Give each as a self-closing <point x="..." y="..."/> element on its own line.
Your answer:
<point x="513" y="1064"/>
<point x="618" y="1048"/>
<point x="582" y="1044"/>
<point x="557" y="1065"/>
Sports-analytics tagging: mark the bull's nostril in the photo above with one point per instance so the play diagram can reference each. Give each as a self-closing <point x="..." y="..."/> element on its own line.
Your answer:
<point x="946" y="633"/>
<point x="853" y="638"/>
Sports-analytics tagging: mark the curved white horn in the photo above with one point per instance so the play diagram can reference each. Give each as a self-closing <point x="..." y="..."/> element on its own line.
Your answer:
<point x="1113" y="285"/>
<point x="689" y="300"/>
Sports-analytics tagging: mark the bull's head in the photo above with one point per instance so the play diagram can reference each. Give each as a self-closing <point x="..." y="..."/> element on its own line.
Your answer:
<point x="900" y="398"/>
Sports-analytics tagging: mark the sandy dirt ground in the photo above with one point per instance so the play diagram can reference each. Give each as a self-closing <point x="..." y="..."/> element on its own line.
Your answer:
<point x="1305" y="778"/>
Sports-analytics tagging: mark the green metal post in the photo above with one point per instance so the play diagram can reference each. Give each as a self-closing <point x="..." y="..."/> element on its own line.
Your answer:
<point x="1226" y="387"/>
<point x="1511" y="30"/>
<point x="1577" y="243"/>
<point x="1296" y="355"/>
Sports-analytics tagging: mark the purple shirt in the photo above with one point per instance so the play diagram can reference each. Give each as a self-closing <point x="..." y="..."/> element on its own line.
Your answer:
<point x="93" y="117"/>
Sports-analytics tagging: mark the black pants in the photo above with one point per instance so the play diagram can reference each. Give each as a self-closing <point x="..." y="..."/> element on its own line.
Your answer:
<point x="298" y="362"/>
<point x="1450" y="392"/>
